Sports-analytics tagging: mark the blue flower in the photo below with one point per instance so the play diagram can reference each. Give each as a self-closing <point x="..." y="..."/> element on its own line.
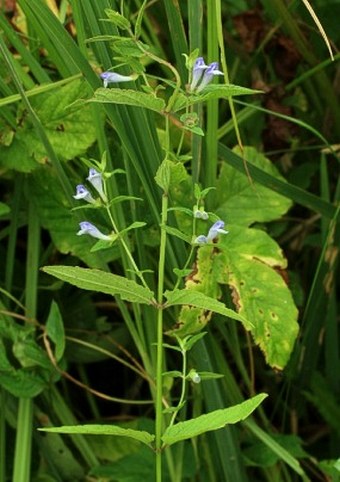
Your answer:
<point x="209" y="74"/>
<point x="214" y="231"/>
<point x="197" y="72"/>
<point x="88" y="228"/>
<point x="83" y="193"/>
<point x="113" y="77"/>
<point x="96" y="179"/>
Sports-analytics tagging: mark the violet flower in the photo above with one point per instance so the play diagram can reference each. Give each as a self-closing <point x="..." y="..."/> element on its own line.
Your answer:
<point x="197" y="72"/>
<point x="84" y="193"/>
<point x="96" y="179"/>
<point x="113" y="77"/>
<point x="89" y="228"/>
<point x="209" y="74"/>
<point x="214" y="231"/>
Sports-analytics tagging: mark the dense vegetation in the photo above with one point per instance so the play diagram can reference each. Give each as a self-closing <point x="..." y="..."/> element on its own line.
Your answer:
<point x="169" y="240"/>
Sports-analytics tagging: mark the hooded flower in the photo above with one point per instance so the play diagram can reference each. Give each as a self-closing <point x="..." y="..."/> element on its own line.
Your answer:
<point x="83" y="193"/>
<point x="89" y="228"/>
<point x="214" y="231"/>
<point x="209" y="74"/>
<point x="197" y="72"/>
<point x="96" y="179"/>
<point x="113" y="77"/>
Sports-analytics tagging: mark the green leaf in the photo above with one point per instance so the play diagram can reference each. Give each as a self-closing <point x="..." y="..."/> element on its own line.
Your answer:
<point x="128" y="97"/>
<point x="300" y="196"/>
<point x="200" y="300"/>
<point x="181" y="273"/>
<point x="29" y="353"/>
<point x="117" y="19"/>
<point x="163" y="174"/>
<point x="252" y="262"/>
<point x="119" y="199"/>
<point x="171" y="347"/>
<point x="209" y="375"/>
<point x="20" y="382"/>
<point x="211" y="421"/>
<point x="70" y="131"/>
<point x="172" y="373"/>
<point x="4" y="209"/>
<point x="134" y="225"/>
<point x="243" y="202"/>
<point x="176" y="232"/>
<point x="55" y="330"/>
<point x="212" y="92"/>
<point x="138" y="25"/>
<point x="128" y="48"/>
<point x="140" y="435"/>
<point x="96" y="280"/>
<point x="190" y="341"/>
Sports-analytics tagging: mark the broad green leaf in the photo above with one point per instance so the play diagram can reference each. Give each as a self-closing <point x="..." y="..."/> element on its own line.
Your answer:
<point x="55" y="330"/>
<point x="252" y="263"/>
<point x="200" y="300"/>
<point x="140" y="435"/>
<point x="96" y="280"/>
<point x="298" y="195"/>
<point x="70" y="131"/>
<point x="128" y="97"/>
<point x="242" y="202"/>
<point x="211" y="92"/>
<point x="211" y="421"/>
<point x="19" y="382"/>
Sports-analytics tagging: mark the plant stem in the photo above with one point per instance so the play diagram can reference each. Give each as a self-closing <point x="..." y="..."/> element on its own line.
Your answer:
<point x="23" y="445"/>
<point x="159" y="370"/>
<point x="126" y="249"/>
<point x="181" y="399"/>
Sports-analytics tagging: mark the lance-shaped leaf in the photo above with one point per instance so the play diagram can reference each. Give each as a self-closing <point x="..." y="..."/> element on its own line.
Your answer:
<point x="211" y="421"/>
<point x="55" y="330"/>
<point x="96" y="280"/>
<point x="129" y="97"/>
<point x="212" y="92"/>
<point x="140" y="435"/>
<point x="200" y="300"/>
